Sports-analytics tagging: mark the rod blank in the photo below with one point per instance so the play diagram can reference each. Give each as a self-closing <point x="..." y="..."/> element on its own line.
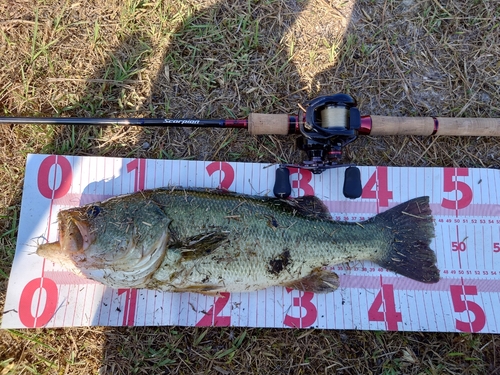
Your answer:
<point x="258" y="123"/>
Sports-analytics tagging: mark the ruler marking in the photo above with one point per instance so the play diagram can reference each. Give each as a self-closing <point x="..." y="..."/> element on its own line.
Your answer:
<point x="444" y="311"/>
<point x="492" y="307"/>
<point x="353" y="320"/>
<point x="434" y="312"/>
<point x="479" y="211"/>
<point x="476" y="247"/>
<point x="458" y="249"/>
<point x="466" y="301"/>
<point x="74" y="307"/>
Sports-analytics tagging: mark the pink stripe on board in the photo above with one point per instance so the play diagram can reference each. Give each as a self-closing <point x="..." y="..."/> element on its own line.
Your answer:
<point x="404" y="283"/>
<point x="78" y="199"/>
<point x="68" y="278"/>
<point x="340" y="207"/>
<point x="365" y="207"/>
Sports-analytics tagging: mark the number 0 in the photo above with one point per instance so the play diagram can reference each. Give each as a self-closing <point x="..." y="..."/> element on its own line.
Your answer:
<point x="44" y="185"/>
<point x="27" y="298"/>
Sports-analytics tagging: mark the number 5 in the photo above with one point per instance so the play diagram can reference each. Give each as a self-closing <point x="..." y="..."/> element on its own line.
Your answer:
<point x="461" y="305"/>
<point x="451" y="184"/>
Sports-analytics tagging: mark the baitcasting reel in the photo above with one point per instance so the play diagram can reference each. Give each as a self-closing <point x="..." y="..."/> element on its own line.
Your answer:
<point x="328" y="124"/>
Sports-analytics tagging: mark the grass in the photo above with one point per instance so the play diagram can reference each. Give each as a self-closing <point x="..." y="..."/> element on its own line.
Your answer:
<point x="219" y="58"/>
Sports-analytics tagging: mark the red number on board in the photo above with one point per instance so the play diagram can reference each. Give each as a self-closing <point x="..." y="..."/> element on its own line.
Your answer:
<point x="32" y="293"/>
<point x="61" y="166"/>
<point x="496" y="247"/>
<point x="383" y="308"/>
<point x="377" y="187"/>
<point x="451" y="183"/>
<point x="304" y="301"/>
<point x="300" y="180"/>
<point x="130" y="306"/>
<point x="224" y="168"/>
<point x="139" y="166"/>
<point x="458" y="246"/>
<point x="212" y="318"/>
<point x="461" y="304"/>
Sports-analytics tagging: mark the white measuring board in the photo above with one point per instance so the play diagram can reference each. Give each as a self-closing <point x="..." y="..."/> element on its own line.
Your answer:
<point x="465" y="204"/>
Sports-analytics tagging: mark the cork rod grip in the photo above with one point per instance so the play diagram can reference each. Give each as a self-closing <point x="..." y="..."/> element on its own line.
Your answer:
<point x="260" y="123"/>
<point x="385" y="125"/>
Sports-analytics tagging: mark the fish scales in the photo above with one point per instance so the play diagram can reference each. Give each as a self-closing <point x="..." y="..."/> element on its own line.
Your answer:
<point x="266" y="244"/>
<point x="213" y="241"/>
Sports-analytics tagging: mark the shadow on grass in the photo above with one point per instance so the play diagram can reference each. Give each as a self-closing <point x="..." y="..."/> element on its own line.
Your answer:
<point x="224" y="63"/>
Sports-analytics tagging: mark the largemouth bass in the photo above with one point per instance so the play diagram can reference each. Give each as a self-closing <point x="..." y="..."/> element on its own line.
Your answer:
<point x="213" y="241"/>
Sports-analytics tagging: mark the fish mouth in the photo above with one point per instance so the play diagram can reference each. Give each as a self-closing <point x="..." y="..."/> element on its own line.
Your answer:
<point x="75" y="235"/>
<point x="74" y="238"/>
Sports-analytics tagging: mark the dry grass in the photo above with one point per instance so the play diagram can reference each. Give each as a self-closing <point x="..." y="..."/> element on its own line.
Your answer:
<point x="226" y="59"/>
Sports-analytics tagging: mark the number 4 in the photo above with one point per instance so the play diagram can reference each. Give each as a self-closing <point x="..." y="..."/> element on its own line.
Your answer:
<point x="383" y="308"/>
<point x="377" y="187"/>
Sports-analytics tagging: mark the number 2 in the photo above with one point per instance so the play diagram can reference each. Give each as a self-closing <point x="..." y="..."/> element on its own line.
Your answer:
<point x="212" y="317"/>
<point x="224" y="168"/>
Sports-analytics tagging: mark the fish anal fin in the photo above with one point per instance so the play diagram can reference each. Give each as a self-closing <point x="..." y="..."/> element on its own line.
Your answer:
<point x="205" y="289"/>
<point x="318" y="281"/>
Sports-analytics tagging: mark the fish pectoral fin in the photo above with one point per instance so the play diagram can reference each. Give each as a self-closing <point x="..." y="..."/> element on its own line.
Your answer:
<point x="205" y="289"/>
<point x="200" y="245"/>
<point x="318" y="281"/>
<point x="212" y="293"/>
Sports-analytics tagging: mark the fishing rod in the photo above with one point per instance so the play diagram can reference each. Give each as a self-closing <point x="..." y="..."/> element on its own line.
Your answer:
<point x="325" y="125"/>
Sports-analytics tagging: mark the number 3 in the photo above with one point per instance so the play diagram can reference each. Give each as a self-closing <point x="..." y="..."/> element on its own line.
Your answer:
<point x="304" y="301"/>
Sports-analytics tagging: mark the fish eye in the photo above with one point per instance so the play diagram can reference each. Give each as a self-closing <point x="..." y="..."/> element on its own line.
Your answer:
<point x="93" y="211"/>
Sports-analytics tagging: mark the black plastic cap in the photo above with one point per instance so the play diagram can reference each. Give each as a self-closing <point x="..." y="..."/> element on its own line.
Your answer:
<point x="352" y="183"/>
<point x="282" y="187"/>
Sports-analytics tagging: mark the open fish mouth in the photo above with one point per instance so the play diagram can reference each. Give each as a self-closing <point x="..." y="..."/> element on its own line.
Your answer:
<point x="126" y="259"/>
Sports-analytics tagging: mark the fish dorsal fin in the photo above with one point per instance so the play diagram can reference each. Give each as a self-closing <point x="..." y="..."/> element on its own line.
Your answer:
<point x="310" y="206"/>
<point x="200" y="245"/>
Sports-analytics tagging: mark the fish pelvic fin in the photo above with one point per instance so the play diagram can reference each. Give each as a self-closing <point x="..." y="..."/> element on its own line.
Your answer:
<point x="409" y="253"/>
<point x="318" y="281"/>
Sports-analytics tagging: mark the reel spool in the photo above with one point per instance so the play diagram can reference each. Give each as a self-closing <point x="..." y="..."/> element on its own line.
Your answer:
<point x="330" y="123"/>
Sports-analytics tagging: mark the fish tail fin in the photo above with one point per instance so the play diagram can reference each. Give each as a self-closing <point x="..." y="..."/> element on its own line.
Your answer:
<point x="408" y="253"/>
